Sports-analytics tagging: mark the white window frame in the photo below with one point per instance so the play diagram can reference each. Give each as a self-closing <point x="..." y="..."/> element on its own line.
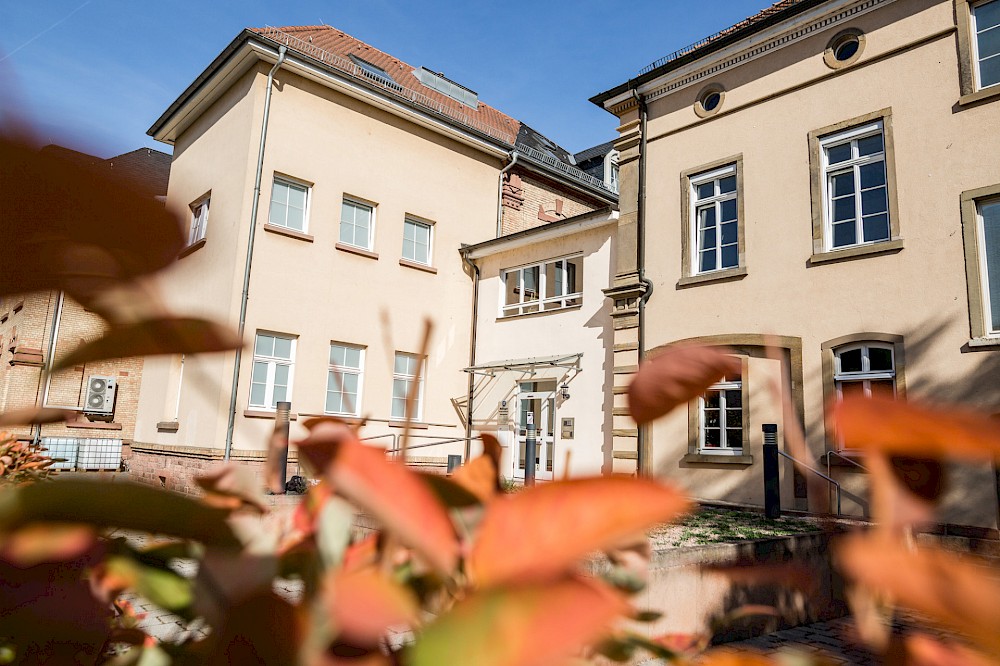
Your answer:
<point x="542" y="303"/>
<point x="286" y="181"/>
<point x="396" y="376"/>
<point x="347" y="370"/>
<point x="358" y="203"/>
<point x="865" y="375"/>
<point x="723" y="449"/>
<point x="715" y="200"/>
<point x="975" y="44"/>
<point x="409" y="219"/>
<point x="272" y="363"/>
<point x="854" y="164"/>
<point x="199" y="218"/>
<point x="984" y="274"/>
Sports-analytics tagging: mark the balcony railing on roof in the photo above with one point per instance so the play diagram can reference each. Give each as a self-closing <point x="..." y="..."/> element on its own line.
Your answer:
<point x="504" y="135"/>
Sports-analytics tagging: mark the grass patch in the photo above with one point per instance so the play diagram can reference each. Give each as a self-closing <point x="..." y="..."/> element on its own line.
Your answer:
<point x="714" y="525"/>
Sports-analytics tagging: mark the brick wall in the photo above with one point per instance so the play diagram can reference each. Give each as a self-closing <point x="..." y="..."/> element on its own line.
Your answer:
<point x="21" y="379"/>
<point x="524" y="194"/>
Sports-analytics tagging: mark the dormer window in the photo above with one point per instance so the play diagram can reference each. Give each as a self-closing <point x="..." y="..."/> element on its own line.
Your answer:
<point x="370" y="71"/>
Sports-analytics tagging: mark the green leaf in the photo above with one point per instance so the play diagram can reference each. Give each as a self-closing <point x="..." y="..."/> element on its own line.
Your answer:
<point x="123" y="505"/>
<point x="166" y="589"/>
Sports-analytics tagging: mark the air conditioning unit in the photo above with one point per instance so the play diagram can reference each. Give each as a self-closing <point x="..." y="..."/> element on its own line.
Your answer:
<point x="100" y="396"/>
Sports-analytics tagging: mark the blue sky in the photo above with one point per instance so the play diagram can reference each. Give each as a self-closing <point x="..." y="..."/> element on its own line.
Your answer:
<point x="95" y="74"/>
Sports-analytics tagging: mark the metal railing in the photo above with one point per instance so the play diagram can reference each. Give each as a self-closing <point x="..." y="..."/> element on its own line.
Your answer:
<point x="844" y="458"/>
<point x="506" y="135"/>
<point x="832" y="482"/>
<point x="438" y="441"/>
<point x="679" y="53"/>
<point x="84" y="453"/>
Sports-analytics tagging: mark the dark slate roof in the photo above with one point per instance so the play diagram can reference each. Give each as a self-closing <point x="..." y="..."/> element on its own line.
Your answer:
<point x="527" y="136"/>
<point x="599" y="150"/>
<point x="145" y="166"/>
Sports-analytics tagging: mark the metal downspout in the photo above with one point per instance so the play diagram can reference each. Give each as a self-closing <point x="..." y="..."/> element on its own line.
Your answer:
<point x="282" y="50"/>
<point x="472" y="350"/>
<point x="643" y="457"/>
<point x="513" y="160"/>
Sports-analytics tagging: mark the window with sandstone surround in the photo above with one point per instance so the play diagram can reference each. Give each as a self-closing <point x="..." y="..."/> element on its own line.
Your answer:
<point x="357" y="224"/>
<point x="404" y="374"/>
<point x="713" y="222"/>
<point x="981" y="233"/>
<point x="550" y="285"/>
<point x="417" y="241"/>
<point x="978" y="50"/>
<point x="344" y="379"/>
<point x="289" y="204"/>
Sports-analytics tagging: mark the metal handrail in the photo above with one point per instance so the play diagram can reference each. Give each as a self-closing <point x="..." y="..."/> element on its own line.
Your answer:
<point x="818" y="473"/>
<point x="842" y="457"/>
<point x="390" y="435"/>
<point x="559" y="165"/>
<point x="450" y="440"/>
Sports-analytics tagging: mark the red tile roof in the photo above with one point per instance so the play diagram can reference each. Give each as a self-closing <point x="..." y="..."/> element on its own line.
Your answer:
<point x="310" y="38"/>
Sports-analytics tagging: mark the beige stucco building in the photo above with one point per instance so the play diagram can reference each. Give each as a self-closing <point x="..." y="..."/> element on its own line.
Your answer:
<point x="373" y="175"/>
<point x="822" y="178"/>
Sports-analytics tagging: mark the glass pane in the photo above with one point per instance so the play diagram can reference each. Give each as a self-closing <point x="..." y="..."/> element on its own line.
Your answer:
<point x="844" y="234"/>
<point x="264" y="345"/>
<point x="734" y="418"/>
<point x="278" y="214"/>
<point x="989" y="42"/>
<point x="409" y="250"/>
<point x="846" y="50"/>
<point x="346" y="212"/>
<point x="408" y="230"/>
<point x="297" y="197"/>
<point x="707" y="240"/>
<point x="707" y="262"/>
<point x="874" y="201"/>
<point x="728" y="210"/>
<point x="283" y="348"/>
<point x="850" y="361"/>
<point x="530" y="276"/>
<point x="257" y="394"/>
<point x="296" y="219"/>
<point x="280" y="395"/>
<point x="876" y="228"/>
<point x="281" y="375"/>
<point x="712" y="399"/>
<point x="843" y="209"/>
<point x="872" y="175"/>
<point x="729" y="232"/>
<point x="727" y="184"/>
<point x="711" y="417"/>
<point x="713" y="438"/>
<point x="734" y="398"/>
<point x="990" y="213"/>
<point x="734" y="438"/>
<point x="706" y="217"/>
<point x="259" y="372"/>
<point x="511" y="287"/>
<point x="279" y="193"/>
<point x="837" y="154"/>
<point x="842" y="184"/>
<point x="879" y="359"/>
<point x="706" y="190"/>
<point x="402" y="364"/>
<point x="730" y="256"/>
<point x="337" y="354"/>
<point x="870" y="145"/>
<point x="350" y="383"/>
<point x="989" y="71"/>
<point x="574" y="275"/>
<point x="883" y="388"/>
<point x="347" y="232"/>
<point x="553" y="279"/>
<point x="335" y="402"/>
<point x="352" y="357"/>
<point x="398" y="408"/>
<point x="987" y="15"/>
<point x="400" y="388"/>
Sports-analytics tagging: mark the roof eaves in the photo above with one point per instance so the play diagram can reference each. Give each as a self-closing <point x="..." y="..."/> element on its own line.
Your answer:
<point x="604" y="212"/>
<point x="721" y="42"/>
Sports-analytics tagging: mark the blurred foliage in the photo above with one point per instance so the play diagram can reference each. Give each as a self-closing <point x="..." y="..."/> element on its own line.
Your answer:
<point x="461" y="572"/>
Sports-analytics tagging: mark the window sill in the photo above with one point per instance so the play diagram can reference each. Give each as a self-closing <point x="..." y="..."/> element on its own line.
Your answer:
<point x="360" y="251"/>
<point x="264" y="414"/>
<point x="291" y="233"/>
<point x="737" y="273"/>
<point x="414" y="425"/>
<point x="168" y="426"/>
<point x="717" y="459"/>
<point x="980" y="96"/>
<point x="417" y="265"/>
<point x="197" y="245"/>
<point x="541" y="312"/>
<point x="984" y="343"/>
<point x="884" y="247"/>
<point x="96" y="425"/>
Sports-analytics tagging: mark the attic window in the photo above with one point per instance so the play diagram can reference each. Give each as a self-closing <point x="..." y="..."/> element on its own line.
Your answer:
<point x="371" y="71"/>
<point x="438" y="82"/>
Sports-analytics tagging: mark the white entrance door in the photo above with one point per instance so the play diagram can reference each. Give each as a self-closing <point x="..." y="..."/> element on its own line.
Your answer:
<point x="537" y="402"/>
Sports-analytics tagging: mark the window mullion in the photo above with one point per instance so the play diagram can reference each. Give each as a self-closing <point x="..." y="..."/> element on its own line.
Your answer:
<point x="269" y="386"/>
<point x="858" y="213"/>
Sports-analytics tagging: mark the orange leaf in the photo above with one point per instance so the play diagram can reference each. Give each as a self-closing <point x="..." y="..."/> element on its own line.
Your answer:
<point x="730" y="657"/>
<point x="580" y="516"/>
<point x="675" y="377"/>
<point x="361" y="554"/>
<point x="911" y="429"/>
<point x="46" y="542"/>
<point x="363" y="604"/>
<point x="167" y="335"/>
<point x="521" y="626"/>
<point x="924" y="650"/>
<point x="394" y="495"/>
<point x="231" y="486"/>
<point x="479" y="477"/>
<point x="36" y="415"/>
<point x="954" y="591"/>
